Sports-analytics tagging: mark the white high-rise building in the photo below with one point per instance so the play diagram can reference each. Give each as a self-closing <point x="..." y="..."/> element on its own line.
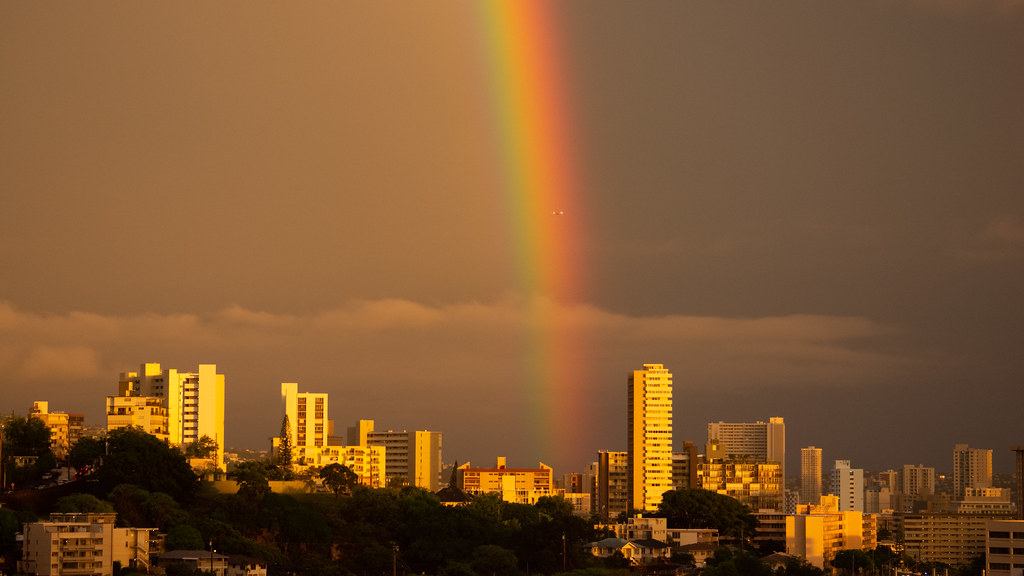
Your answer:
<point x="760" y="441"/>
<point x="848" y="486"/>
<point x="810" y="475"/>
<point x="194" y="401"/>
<point x="972" y="468"/>
<point x="649" y="430"/>
<point x="308" y="421"/>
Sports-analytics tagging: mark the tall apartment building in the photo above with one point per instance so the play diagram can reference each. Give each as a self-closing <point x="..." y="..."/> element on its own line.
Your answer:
<point x="308" y="421"/>
<point x="612" y="493"/>
<point x="848" y="486"/>
<point x="764" y="442"/>
<point x="194" y="401"/>
<point x="649" y="436"/>
<point x="972" y="468"/>
<point x="810" y="475"/>
<point x="917" y="485"/>
<point x="83" y="544"/>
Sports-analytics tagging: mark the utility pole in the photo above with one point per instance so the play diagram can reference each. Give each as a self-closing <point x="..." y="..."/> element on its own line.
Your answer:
<point x="563" y="553"/>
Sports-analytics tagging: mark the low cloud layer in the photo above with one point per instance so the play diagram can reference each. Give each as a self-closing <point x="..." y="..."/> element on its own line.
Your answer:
<point x="456" y="368"/>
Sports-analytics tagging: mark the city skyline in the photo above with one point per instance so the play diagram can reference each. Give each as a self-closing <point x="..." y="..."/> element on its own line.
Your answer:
<point x="479" y="217"/>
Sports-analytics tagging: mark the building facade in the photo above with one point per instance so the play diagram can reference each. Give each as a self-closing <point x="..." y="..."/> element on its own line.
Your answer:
<point x="145" y="412"/>
<point x="83" y="545"/>
<point x="948" y="538"/>
<point x="65" y="429"/>
<point x="972" y="468"/>
<point x="759" y="441"/>
<point x="810" y="475"/>
<point x="1004" y="547"/>
<point x="817" y="532"/>
<point x="518" y="485"/>
<point x="684" y="467"/>
<point x="308" y="421"/>
<point x="848" y="486"/>
<point x="612" y="485"/>
<point x="413" y="458"/>
<point x="194" y="401"/>
<point x="756" y="484"/>
<point x="649" y="436"/>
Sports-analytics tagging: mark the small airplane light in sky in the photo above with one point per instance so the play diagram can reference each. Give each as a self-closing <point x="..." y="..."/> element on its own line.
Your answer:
<point x="558" y="213"/>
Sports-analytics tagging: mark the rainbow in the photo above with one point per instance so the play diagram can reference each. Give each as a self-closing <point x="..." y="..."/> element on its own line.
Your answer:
<point x="531" y="110"/>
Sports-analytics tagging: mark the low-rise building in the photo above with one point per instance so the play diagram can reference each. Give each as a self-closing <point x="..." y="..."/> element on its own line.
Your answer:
<point x="206" y="561"/>
<point x="83" y="545"/>
<point x="948" y="538"/>
<point x="817" y="533"/>
<point x="985" y="502"/>
<point x="519" y="485"/>
<point x="246" y="566"/>
<point x="145" y="412"/>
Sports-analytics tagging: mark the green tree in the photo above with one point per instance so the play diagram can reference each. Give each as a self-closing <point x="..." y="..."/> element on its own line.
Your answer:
<point x="84" y="503"/>
<point x="698" y="508"/>
<point x="729" y="563"/>
<point x="799" y="567"/>
<point x="852" y="561"/>
<point x="30" y="438"/>
<point x="490" y="559"/>
<point x="184" y="537"/>
<point x="135" y="457"/>
<point x="204" y="447"/>
<point x="10" y="525"/>
<point x="25" y="437"/>
<point x="338" y="478"/>
<point x="251" y="478"/>
<point x="86" y="452"/>
<point x="284" y="445"/>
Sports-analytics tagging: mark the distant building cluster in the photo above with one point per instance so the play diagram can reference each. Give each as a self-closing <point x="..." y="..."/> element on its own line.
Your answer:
<point x="911" y="509"/>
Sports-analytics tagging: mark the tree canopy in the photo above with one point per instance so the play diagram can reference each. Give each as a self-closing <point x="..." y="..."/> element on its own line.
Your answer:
<point x="26" y="437"/>
<point x="339" y="478"/>
<point x="698" y="508"/>
<point x="204" y="447"/>
<point x="135" y="457"/>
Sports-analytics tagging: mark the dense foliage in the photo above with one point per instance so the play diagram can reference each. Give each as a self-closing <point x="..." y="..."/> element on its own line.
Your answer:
<point x="135" y="457"/>
<point x="697" y="508"/>
<point x="26" y="440"/>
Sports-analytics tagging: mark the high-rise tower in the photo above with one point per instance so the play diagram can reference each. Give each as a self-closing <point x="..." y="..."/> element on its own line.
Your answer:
<point x="194" y="401"/>
<point x="848" y="486"/>
<point x="972" y="468"/>
<point x="764" y="442"/>
<point x="649" y="427"/>
<point x="810" y="475"/>
<point x="308" y="421"/>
